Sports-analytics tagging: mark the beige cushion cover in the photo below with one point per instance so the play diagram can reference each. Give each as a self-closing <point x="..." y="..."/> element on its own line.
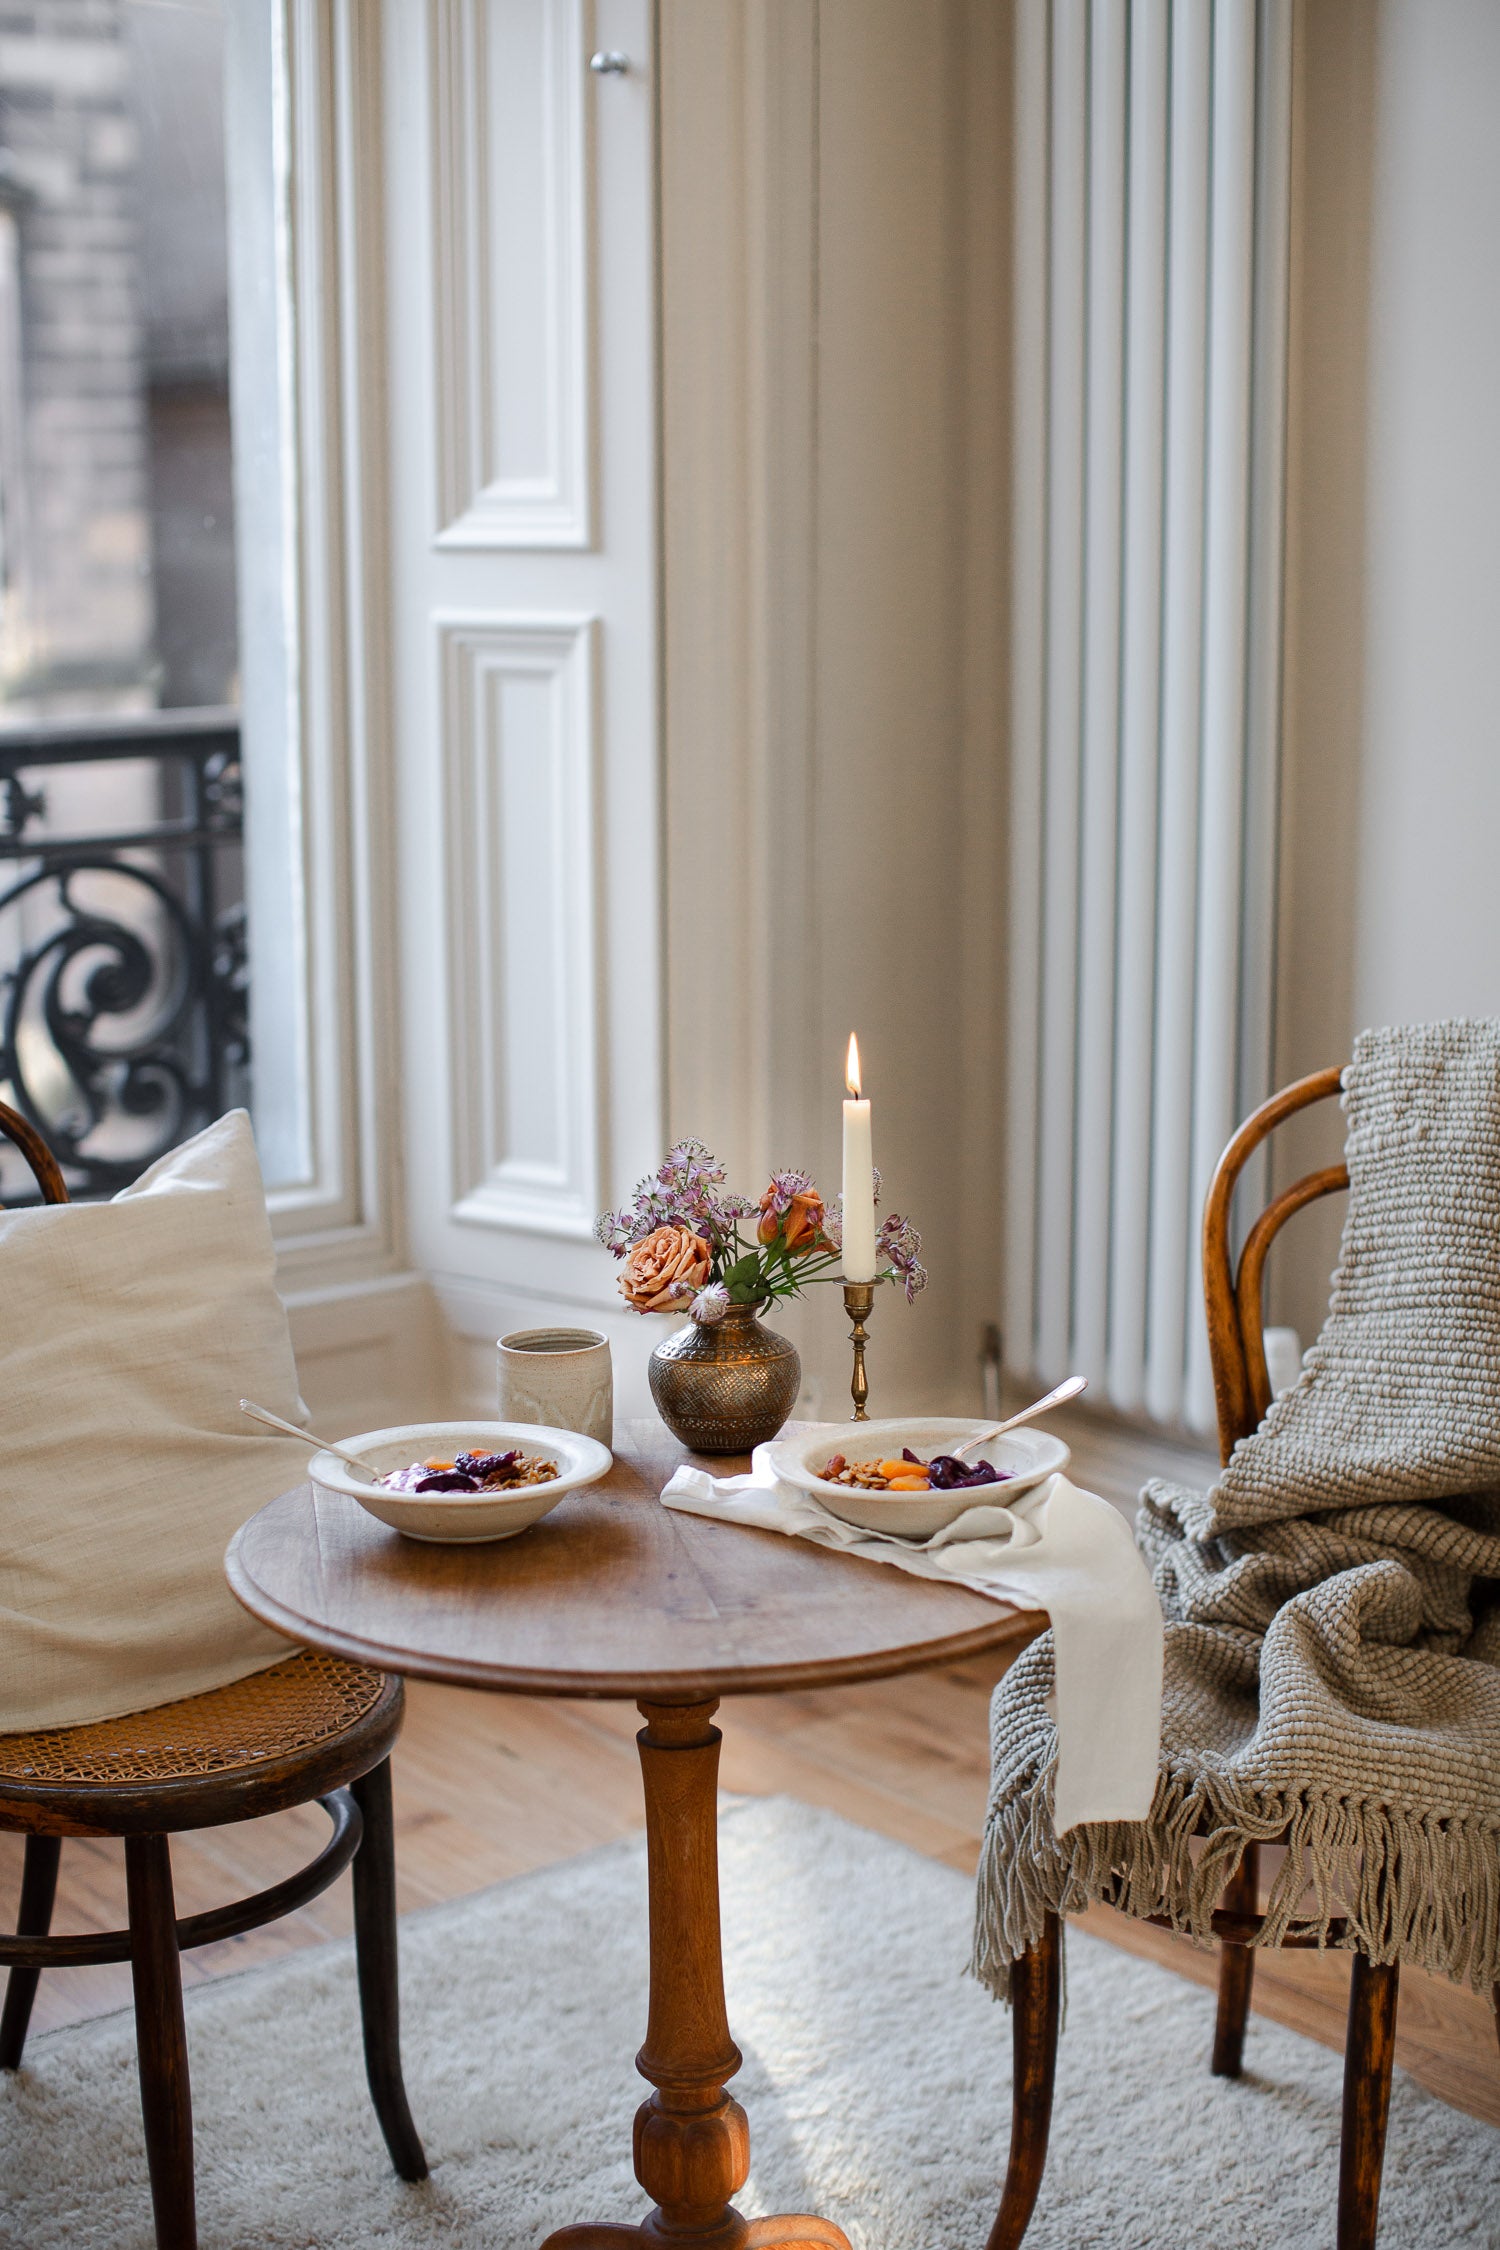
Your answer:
<point x="131" y="1330"/>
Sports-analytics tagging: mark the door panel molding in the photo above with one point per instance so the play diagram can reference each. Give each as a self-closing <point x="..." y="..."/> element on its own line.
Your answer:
<point x="510" y="256"/>
<point x="521" y="851"/>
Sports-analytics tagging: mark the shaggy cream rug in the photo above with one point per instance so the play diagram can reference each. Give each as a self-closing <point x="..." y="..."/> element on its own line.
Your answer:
<point x="876" y="2077"/>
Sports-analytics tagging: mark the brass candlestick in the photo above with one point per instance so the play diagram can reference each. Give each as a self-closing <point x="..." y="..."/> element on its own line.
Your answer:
<point x="859" y="1303"/>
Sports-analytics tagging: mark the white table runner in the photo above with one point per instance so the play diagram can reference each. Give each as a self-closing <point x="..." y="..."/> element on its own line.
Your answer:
<point x="1055" y="1548"/>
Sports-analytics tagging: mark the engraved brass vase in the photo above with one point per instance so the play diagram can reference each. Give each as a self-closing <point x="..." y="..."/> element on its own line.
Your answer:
<point x="726" y="1388"/>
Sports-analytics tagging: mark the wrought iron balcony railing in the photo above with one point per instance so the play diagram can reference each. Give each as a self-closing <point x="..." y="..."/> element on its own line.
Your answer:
<point x="123" y="980"/>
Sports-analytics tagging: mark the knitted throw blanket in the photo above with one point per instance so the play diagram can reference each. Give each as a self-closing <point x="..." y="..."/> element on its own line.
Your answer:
<point x="1333" y="1602"/>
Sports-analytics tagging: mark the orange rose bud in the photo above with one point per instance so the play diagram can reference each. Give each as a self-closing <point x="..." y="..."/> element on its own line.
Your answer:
<point x="800" y="1226"/>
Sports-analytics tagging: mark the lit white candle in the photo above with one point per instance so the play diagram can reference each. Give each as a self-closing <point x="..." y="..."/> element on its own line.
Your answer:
<point x="859" y="1178"/>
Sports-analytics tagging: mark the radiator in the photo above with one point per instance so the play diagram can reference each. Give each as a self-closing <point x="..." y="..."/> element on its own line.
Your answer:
<point x="1152" y="154"/>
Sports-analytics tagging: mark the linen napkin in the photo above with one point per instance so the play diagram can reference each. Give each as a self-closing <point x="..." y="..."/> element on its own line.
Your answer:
<point x="1053" y="1548"/>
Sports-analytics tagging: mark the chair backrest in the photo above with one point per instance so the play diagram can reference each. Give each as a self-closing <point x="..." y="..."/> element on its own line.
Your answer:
<point x="1232" y="1298"/>
<point x="44" y="1166"/>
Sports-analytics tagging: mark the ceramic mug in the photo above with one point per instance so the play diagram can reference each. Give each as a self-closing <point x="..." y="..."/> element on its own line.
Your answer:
<point x="561" y="1377"/>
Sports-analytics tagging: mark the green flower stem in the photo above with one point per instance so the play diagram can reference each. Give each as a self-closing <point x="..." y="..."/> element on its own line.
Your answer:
<point x="765" y="1271"/>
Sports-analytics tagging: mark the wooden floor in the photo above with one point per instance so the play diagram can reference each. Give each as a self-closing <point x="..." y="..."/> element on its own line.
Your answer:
<point x="487" y="1787"/>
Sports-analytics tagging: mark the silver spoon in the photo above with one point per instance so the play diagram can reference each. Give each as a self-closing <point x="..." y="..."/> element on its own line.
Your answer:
<point x="1063" y="1392"/>
<point x="318" y="1444"/>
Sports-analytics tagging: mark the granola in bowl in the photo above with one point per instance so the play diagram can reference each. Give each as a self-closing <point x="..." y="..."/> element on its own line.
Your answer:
<point x="473" y="1472"/>
<point x="944" y="1472"/>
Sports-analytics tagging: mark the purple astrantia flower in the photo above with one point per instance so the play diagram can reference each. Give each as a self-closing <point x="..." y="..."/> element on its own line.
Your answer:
<point x="617" y="1230"/>
<point x="901" y="1245"/>
<point x="685" y="1191"/>
<point x="710" y="1305"/>
<point x="621" y="1230"/>
<point x="680" y="1192"/>
<point x="689" y="1169"/>
<point x="784" y="1187"/>
<point x="914" y="1280"/>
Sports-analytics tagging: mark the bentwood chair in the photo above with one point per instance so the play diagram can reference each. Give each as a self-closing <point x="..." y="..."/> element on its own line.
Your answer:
<point x="310" y="1728"/>
<point x="1242" y="1392"/>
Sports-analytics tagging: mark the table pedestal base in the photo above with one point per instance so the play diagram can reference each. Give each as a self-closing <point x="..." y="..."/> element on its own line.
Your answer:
<point x="692" y="2141"/>
<point x="744" y="2234"/>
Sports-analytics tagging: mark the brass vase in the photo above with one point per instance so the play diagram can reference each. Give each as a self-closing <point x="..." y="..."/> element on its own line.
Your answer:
<point x="725" y="1388"/>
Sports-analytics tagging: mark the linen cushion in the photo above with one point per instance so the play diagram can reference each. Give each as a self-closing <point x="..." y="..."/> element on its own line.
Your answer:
<point x="131" y="1330"/>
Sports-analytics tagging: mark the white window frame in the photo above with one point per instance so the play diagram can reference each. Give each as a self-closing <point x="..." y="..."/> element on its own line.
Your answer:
<point x="303" y="84"/>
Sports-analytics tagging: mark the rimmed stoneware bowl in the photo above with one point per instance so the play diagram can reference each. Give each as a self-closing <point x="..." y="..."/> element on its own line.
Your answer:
<point x="462" y="1517"/>
<point x="1030" y="1456"/>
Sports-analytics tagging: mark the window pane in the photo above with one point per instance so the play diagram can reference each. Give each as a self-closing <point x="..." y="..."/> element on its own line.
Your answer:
<point x="118" y="517"/>
<point x="121" y="916"/>
<point x="177" y="92"/>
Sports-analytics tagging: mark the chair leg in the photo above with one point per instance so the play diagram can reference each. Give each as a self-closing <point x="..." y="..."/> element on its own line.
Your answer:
<point x="1368" y="2054"/>
<point x="161" y="2040"/>
<point x="1036" y="2000"/>
<point x="1236" y="1970"/>
<point x="379" y="1986"/>
<point x="38" y="1890"/>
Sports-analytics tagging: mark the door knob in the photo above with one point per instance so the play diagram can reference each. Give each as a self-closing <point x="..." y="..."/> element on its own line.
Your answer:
<point x="609" y="63"/>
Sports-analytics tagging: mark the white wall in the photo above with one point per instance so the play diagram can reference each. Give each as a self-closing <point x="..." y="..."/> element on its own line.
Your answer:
<point x="1391" y="796"/>
<point x="834" y="354"/>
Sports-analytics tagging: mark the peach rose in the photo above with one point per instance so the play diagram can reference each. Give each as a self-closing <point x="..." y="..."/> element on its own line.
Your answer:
<point x="802" y="1220"/>
<point x="666" y="1270"/>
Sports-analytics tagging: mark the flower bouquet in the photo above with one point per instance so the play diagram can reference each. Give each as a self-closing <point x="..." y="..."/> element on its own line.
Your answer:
<point x="724" y="1383"/>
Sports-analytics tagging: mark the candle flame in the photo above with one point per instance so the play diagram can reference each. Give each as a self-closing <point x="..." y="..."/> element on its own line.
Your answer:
<point x="851" y="1067"/>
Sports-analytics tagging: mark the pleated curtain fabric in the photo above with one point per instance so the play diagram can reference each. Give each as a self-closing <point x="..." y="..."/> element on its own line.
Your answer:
<point x="1153" y="145"/>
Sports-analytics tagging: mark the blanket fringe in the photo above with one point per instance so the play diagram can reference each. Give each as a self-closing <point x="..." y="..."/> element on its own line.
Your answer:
<point x="1413" y="1887"/>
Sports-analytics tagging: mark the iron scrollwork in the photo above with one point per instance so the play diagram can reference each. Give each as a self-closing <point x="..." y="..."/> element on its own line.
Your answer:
<point x="123" y="973"/>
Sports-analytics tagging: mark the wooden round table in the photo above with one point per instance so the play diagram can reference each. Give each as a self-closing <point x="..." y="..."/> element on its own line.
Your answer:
<point x="613" y="1595"/>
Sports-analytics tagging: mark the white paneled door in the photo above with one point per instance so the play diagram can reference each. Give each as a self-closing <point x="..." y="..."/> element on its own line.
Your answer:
<point x="520" y="289"/>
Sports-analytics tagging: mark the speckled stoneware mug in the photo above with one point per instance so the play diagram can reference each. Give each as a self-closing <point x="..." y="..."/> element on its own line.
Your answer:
<point x="558" y="1376"/>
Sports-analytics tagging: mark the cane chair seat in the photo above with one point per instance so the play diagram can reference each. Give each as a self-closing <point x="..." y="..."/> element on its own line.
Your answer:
<point x="282" y="1708"/>
<point x="124" y="1775"/>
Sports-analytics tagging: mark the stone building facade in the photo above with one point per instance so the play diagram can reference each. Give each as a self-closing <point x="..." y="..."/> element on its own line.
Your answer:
<point x="116" y="558"/>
